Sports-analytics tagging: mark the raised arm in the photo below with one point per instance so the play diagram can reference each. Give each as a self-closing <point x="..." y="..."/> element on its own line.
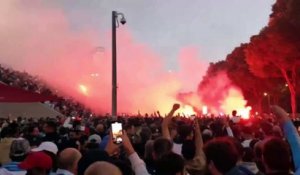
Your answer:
<point x="137" y="164"/>
<point x="290" y="133"/>
<point x="167" y="120"/>
<point x="198" y="137"/>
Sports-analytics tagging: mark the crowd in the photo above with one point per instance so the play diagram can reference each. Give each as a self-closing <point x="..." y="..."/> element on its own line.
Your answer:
<point x="151" y="145"/>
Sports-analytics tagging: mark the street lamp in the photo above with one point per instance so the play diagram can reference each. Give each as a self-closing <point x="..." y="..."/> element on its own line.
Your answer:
<point x="115" y="24"/>
<point x="269" y="100"/>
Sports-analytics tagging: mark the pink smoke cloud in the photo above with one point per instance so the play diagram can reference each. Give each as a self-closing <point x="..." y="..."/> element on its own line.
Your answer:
<point x="38" y="39"/>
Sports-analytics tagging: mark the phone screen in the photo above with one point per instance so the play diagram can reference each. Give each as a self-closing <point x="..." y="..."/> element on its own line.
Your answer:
<point x="117" y="132"/>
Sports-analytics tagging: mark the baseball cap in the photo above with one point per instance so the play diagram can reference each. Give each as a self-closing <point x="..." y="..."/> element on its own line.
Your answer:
<point x="36" y="160"/>
<point x="94" y="138"/>
<point x="19" y="148"/>
<point x="46" y="146"/>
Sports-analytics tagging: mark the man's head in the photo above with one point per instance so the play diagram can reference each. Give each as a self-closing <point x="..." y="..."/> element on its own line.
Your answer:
<point x="50" y="127"/>
<point x="234" y="113"/>
<point x="102" y="168"/>
<point x="68" y="159"/>
<point x="100" y="128"/>
<point x="89" y="158"/>
<point x="185" y="132"/>
<point x="222" y="155"/>
<point x="276" y="155"/>
<point x="19" y="149"/>
<point x="170" y="164"/>
<point x="33" y="131"/>
<point x="161" y="146"/>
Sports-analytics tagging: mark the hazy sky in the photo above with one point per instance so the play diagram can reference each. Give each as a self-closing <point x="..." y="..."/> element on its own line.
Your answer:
<point x="214" y="27"/>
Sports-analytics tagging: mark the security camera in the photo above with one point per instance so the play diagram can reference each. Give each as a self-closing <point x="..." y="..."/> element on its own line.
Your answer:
<point x="123" y="20"/>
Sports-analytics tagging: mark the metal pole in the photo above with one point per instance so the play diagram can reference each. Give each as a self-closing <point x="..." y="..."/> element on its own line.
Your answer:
<point x="114" y="67"/>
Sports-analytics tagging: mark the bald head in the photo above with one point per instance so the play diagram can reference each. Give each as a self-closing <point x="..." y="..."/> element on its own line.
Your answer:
<point x="68" y="159"/>
<point x="102" y="168"/>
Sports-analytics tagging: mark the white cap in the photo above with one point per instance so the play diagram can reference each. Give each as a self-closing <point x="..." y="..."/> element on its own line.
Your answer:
<point x="46" y="146"/>
<point x="94" y="137"/>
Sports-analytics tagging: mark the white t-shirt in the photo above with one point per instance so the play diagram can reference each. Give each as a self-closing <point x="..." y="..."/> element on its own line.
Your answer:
<point x="236" y="119"/>
<point x="177" y="148"/>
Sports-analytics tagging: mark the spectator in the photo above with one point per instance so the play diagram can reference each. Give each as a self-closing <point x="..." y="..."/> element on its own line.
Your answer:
<point x="94" y="139"/>
<point x="102" y="168"/>
<point x="50" y="129"/>
<point x="18" y="152"/>
<point x="290" y="133"/>
<point x="68" y="161"/>
<point x="37" y="163"/>
<point x="247" y="136"/>
<point x="33" y="136"/>
<point x="170" y="164"/>
<point x="193" y="154"/>
<point x="89" y="158"/>
<point x="51" y="150"/>
<point x="8" y="134"/>
<point x="222" y="156"/>
<point x="276" y="157"/>
<point x="165" y="128"/>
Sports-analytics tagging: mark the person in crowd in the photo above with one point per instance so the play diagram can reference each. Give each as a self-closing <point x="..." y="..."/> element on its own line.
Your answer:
<point x="68" y="161"/>
<point x="18" y="152"/>
<point x="50" y="130"/>
<point x="235" y="118"/>
<point x="8" y="134"/>
<point x="276" y="157"/>
<point x="102" y="168"/>
<point x="171" y="164"/>
<point x="33" y="136"/>
<point x="51" y="150"/>
<point x="192" y="151"/>
<point x="89" y="158"/>
<point x="101" y="130"/>
<point x="247" y="136"/>
<point x="290" y="133"/>
<point x="222" y="156"/>
<point x="37" y="163"/>
<point x="165" y="128"/>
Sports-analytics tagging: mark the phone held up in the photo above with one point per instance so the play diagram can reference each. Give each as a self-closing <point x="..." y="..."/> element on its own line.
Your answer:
<point x="116" y="128"/>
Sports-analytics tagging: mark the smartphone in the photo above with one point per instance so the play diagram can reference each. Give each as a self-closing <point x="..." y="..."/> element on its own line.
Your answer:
<point x="117" y="132"/>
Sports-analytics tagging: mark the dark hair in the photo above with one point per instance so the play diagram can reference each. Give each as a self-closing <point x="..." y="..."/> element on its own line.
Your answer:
<point x="248" y="155"/>
<point x="184" y="131"/>
<point x="170" y="164"/>
<point x="52" y="124"/>
<point x="188" y="149"/>
<point x="276" y="154"/>
<point x="89" y="158"/>
<point x="223" y="152"/>
<point x="234" y="112"/>
<point x="12" y="130"/>
<point x="162" y="146"/>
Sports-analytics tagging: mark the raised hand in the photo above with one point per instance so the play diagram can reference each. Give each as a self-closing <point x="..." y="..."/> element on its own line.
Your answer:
<point x="280" y="113"/>
<point x="127" y="144"/>
<point x="176" y="106"/>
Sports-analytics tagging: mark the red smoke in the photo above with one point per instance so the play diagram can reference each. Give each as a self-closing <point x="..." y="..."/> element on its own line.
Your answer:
<point x="39" y="39"/>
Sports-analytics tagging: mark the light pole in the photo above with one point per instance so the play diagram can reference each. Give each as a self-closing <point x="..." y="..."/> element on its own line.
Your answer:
<point x="115" y="24"/>
<point x="269" y="100"/>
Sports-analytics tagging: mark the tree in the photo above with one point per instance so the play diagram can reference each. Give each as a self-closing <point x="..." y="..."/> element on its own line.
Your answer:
<point x="253" y="87"/>
<point x="275" y="52"/>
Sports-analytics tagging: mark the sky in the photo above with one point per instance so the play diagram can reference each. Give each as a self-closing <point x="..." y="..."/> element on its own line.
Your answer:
<point x="213" y="27"/>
